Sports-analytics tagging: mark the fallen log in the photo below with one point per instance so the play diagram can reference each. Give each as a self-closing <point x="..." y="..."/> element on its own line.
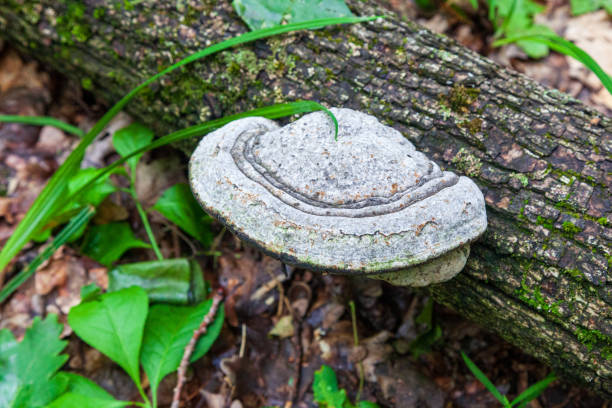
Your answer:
<point x="540" y="277"/>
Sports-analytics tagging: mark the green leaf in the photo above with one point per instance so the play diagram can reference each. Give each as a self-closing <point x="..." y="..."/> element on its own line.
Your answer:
<point x="28" y="368"/>
<point x="367" y="404"/>
<point x="96" y="191"/>
<point x="258" y="14"/>
<point x="178" y="205"/>
<point x="534" y="391"/>
<point x="484" y="380"/>
<point x="167" y="333"/>
<point x="84" y="393"/>
<point x="43" y="121"/>
<point x="131" y="138"/>
<point x="177" y="281"/>
<point x="84" y="386"/>
<point x="534" y="49"/>
<point x="565" y="47"/>
<point x="325" y="388"/>
<point x="587" y="6"/>
<point x="113" y="323"/>
<point x="90" y="292"/>
<point x="106" y="243"/>
<point x="72" y="400"/>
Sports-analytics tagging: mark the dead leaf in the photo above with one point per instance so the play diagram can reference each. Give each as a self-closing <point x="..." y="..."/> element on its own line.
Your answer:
<point x="283" y="328"/>
<point x="14" y="72"/>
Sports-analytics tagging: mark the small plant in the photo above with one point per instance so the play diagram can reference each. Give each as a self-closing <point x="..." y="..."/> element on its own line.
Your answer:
<point x="328" y="395"/>
<point x="521" y="401"/>
<point x="154" y="339"/>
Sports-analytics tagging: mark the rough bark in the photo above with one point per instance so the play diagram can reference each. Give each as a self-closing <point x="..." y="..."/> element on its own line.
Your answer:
<point x="540" y="277"/>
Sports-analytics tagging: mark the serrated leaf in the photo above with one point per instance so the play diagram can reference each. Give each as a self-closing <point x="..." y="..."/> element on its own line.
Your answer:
<point x="167" y="332"/>
<point x="106" y="243"/>
<point x="325" y="388"/>
<point x="28" y="368"/>
<point x="178" y="205"/>
<point x="131" y="138"/>
<point x="258" y="14"/>
<point x="113" y="323"/>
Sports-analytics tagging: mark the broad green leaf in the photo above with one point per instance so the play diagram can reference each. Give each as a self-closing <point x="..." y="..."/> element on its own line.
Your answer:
<point x="106" y="243"/>
<point x="484" y="380"/>
<point x="534" y="49"/>
<point x="113" y="323"/>
<point x="28" y="368"/>
<point x="167" y="332"/>
<point x="90" y="292"/>
<point x="258" y="14"/>
<point x="80" y="385"/>
<point x="84" y="393"/>
<point x="517" y="16"/>
<point x="72" y="400"/>
<point x="177" y="281"/>
<point x="178" y="205"/>
<point x="99" y="187"/>
<point x="96" y="192"/>
<point x="131" y="138"/>
<point x="325" y="389"/>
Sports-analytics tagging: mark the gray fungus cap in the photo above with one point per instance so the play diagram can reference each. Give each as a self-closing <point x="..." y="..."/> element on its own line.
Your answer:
<point x="367" y="203"/>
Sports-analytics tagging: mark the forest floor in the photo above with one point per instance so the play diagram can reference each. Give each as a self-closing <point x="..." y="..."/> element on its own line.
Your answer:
<point x="278" y="329"/>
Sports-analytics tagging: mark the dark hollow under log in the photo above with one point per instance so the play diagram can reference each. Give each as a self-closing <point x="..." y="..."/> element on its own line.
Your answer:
<point x="540" y="277"/>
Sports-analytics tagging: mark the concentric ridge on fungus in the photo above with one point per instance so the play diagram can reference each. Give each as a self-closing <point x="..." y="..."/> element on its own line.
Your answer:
<point x="368" y="203"/>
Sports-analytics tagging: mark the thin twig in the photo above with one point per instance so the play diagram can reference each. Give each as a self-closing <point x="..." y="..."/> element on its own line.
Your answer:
<point x="208" y="319"/>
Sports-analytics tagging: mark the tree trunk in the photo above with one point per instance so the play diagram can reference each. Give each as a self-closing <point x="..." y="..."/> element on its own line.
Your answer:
<point x="540" y="277"/>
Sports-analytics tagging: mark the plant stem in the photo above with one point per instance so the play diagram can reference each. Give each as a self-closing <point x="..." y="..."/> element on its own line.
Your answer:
<point x="356" y="341"/>
<point x="143" y="395"/>
<point x="208" y="319"/>
<point x="145" y="219"/>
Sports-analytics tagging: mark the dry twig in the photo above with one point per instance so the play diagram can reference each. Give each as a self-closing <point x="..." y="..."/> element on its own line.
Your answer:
<point x="208" y="319"/>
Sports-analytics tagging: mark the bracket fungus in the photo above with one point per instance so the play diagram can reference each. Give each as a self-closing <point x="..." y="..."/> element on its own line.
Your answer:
<point x="365" y="204"/>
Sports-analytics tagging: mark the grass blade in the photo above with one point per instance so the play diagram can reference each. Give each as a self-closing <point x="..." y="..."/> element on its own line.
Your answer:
<point x="73" y="226"/>
<point x="484" y="380"/>
<point x="43" y="121"/>
<point x="53" y="193"/>
<point x="533" y="391"/>
<point x="563" y="46"/>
